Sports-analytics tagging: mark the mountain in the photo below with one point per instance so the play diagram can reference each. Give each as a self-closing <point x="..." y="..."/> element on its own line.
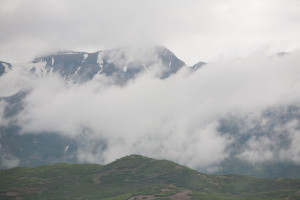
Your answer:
<point x="137" y="177"/>
<point x="121" y="64"/>
<point x="198" y="65"/>
<point x="124" y="63"/>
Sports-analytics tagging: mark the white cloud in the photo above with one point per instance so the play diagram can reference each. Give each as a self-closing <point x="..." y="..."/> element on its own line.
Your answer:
<point x="258" y="149"/>
<point x="175" y="118"/>
<point x="292" y="153"/>
<point x="273" y="136"/>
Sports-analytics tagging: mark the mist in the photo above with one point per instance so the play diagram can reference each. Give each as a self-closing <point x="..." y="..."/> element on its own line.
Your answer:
<point x="177" y="118"/>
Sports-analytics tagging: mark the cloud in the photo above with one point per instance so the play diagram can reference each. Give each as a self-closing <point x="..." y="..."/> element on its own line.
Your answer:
<point x="292" y="153"/>
<point x="278" y="142"/>
<point x="258" y="149"/>
<point x="195" y="29"/>
<point x="176" y="118"/>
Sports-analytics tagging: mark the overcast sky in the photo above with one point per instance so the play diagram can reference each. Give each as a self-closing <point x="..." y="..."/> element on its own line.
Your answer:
<point x="176" y="118"/>
<point x="193" y="29"/>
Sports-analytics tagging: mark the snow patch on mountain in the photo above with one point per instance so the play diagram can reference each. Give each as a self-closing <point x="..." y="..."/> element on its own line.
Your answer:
<point x="85" y="56"/>
<point x="125" y="68"/>
<point x="100" y="60"/>
<point x="67" y="147"/>
<point x="77" y="69"/>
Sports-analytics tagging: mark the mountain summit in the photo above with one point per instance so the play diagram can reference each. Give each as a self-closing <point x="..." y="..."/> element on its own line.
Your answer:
<point x="122" y="64"/>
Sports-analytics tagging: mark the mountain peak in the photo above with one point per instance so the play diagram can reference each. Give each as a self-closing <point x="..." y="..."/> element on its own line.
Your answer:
<point x="120" y="64"/>
<point x="123" y="64"/>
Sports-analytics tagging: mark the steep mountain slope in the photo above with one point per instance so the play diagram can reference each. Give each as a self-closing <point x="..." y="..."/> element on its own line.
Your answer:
<point x="137" y="177"/>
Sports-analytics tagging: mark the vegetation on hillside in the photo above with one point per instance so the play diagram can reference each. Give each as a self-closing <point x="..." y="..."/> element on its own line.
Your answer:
<point x="137" y="177"/>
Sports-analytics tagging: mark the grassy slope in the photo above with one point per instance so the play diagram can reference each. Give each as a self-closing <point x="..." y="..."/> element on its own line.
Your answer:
<point x="136" y="175"/>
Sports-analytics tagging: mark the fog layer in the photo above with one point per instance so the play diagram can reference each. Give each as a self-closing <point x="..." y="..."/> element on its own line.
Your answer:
<point x="176" y="118"/>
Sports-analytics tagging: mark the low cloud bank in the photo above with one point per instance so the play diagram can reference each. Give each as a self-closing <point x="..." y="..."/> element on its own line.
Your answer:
<point x="176" y="118"/>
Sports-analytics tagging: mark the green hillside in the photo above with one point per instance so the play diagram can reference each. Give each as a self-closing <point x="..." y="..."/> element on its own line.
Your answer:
<point x="137" y="177"/>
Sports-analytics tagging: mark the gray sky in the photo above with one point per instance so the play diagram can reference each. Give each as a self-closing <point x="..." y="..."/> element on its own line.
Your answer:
<point x="193" y="29"/>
